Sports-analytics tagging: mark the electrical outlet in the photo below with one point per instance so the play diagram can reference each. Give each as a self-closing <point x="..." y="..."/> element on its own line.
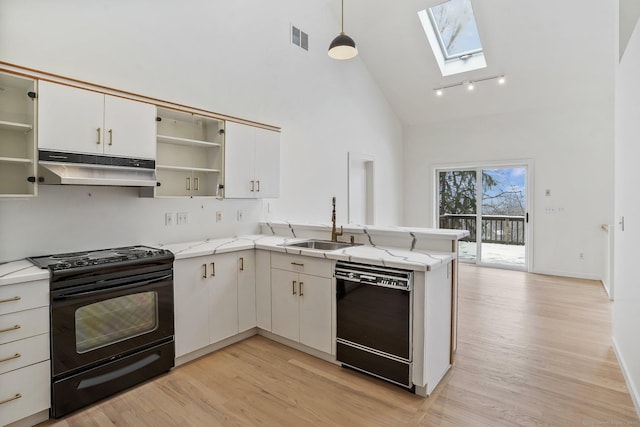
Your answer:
<point x="218" y="216"/>
<point x="182" y="218"/>
<point x="547" y="192"/>
<point x="581" y="255"/>
<point x="169" y="219"/>
<point x="240" y="215"/>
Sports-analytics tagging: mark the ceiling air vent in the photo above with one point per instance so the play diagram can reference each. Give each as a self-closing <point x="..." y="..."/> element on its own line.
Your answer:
<point x="299" y="38"/>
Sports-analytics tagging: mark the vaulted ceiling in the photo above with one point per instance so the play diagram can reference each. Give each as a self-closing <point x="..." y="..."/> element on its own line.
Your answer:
<point x="553" y="53"/>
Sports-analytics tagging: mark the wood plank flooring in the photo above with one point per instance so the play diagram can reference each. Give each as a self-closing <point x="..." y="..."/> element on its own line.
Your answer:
<point x="532" y="351"/>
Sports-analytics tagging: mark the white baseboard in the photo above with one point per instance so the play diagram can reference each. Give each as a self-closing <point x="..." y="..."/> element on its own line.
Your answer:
<point x="633" y="390"/>
<point x="567" y="274"/>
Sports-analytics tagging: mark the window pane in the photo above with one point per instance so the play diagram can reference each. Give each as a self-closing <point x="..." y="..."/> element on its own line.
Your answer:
<point x="114" y="320"/>
<point x="456" y="25"/>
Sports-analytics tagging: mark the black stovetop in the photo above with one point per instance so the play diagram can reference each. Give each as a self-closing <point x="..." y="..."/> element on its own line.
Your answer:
<point x="97" y="258"/>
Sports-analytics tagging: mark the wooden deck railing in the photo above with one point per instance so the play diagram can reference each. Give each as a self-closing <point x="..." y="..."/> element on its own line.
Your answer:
<point x="505" y="229"/>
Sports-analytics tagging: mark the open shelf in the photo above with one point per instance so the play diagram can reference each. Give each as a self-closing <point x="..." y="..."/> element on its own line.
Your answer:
<point x="5" y="125"/>
<point x="15" y="160"/>
<point x="187" y="169"/>
<point x="185" y="141"/>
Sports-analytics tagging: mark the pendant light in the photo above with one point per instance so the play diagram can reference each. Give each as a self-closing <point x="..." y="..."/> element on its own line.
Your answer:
<point x="343" y="46"/>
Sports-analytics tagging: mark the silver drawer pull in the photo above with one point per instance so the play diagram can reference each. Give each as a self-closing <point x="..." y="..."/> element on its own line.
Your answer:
<point x="301" y="293"/>
<point x="13" y="328"/>
<point x="15" y="356"/>
<point x="10" y="299"/>
<point x="204" y="271"/>
<point x="16" y="397"/>
<point x="293" y="287"/>
<point x="241" y="263"/>
<point x="298" y="264"/>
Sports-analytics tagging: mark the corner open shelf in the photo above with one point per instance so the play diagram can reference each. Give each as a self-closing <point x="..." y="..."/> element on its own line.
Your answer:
<point x="18" y="159"/>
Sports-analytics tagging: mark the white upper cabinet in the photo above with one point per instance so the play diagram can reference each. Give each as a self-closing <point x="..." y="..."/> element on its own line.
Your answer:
<point x="82" y="121"/>
<point x="252" y="162"/>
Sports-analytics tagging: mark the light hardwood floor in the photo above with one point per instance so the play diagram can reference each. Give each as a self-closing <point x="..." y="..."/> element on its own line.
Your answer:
<point x="532" y="351"/>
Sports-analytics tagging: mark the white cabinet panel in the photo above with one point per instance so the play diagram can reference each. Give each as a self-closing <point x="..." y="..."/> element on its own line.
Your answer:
<point x="239" y="158"/>
<point x="267" y="163"/>
<point x="263" y="289"/>
<point x="129" y="126"/>
<point x="27" y="392"/>
<point x="24" y="324"/>
<point x="315" y="312"/>
<point x="191" y="299"/>
<point x="246" y="290"/>
<point x="70" y="119"/>
<point x="23" y="296"/>
<point x="21" y="353"/>
<point x="284" y="304"/>
<point x="223" y="296"/>
<point x="252" y="162"/>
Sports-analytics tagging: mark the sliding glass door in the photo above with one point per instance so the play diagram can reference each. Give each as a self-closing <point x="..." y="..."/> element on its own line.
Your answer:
<point x="491" y="203"/>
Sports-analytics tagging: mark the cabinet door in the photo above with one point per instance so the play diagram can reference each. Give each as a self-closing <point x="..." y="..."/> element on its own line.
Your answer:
<point x="223" y="296"/>
<point x="267" y="163"/>
<point x="263" y="289"/>
<point x="239" y="157"/>
<point x="315" y="312"/>
<point x="284" y="304"/>
<point x="191" y="299"/>
<point x="246" y="290"/>
<point x="69" y="119"/>
<point x="129" y="128"/>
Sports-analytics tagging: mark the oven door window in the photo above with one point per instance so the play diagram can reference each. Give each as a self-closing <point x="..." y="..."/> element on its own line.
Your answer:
<point x="113" y="320"/>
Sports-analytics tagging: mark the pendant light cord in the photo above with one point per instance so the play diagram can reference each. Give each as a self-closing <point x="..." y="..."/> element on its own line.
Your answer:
<point x="342" y="19"/>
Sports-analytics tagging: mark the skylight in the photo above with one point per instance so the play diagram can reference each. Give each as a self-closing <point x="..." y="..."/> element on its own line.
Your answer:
<point x="453" y="34"/>
<point x="456" y="28"/>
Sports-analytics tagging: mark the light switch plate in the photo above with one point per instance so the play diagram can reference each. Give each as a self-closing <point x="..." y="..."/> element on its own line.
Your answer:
<point x="182" y="218"/>
<point x="169" y="219"/>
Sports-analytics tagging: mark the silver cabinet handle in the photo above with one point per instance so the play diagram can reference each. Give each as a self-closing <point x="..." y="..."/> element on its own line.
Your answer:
<point x="204" y="271"/>
<point x="15" y="356"/>
<point x="16" y="298"/>
<point x="298" y="264"/>
<point x="98" y="141"/>
<point x="196" y="184"/>
<point x="253" y="186"/>
<point x="301" y="293"/>
<point x="213" y="269"/>
<point x="188" y="183"/>
<point x="110" y="136"/>
<point x="241" y="263"/>
<point x="258" y="186"/>
<point x="13" y="328"/>
<point x="293" y="287"/>
<point x="16" y="397"/>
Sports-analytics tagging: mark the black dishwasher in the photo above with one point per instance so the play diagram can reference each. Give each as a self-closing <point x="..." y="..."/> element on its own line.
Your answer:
<point x="374" y="320"/>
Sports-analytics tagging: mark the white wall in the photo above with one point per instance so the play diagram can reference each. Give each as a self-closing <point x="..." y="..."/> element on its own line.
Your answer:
<point x="572" y="153"/>
<point x="226" y="56"/>
<point x="626" y="305"/>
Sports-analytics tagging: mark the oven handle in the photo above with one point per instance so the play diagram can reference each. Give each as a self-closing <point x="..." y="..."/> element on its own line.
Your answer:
<point x="106" y="286"/>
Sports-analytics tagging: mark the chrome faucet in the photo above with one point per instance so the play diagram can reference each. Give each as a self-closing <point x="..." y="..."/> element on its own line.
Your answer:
<point x="334" y="232"/>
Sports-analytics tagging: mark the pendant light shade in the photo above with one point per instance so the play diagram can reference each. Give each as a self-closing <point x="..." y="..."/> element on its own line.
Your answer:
<point x="343" y="46"/>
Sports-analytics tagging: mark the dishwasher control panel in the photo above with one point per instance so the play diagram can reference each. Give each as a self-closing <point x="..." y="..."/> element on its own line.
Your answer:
<point x="374" y="275"/>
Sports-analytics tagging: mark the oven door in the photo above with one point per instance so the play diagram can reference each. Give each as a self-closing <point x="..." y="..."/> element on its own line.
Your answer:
<point x="107" y="319"/>
<point x="374" y="317"/>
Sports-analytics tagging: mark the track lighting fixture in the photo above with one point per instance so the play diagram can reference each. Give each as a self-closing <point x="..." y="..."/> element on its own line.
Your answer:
<point x="470" y="84"/>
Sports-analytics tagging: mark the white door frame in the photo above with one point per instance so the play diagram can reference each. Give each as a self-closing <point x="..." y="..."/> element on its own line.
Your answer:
<point x="478" y="167"/>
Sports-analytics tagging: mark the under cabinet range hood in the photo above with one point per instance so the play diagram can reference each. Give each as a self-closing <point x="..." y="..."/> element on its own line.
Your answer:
<point x="88" y="169"/>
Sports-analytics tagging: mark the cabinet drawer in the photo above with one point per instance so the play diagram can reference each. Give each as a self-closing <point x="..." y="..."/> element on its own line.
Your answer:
<point x="24" y="392"/>
<point x="24" y="324"/>
<point x="302" y="264"/>
<point x="21" y="353"/>
<point x="23" y="296"/>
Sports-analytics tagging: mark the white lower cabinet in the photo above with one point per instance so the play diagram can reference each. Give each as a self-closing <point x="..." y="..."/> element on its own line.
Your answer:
<point x="25" y="376"/>
<point x="301" y="303"/>
<point x="263" y="289"/>
<point x="214" y="299"/>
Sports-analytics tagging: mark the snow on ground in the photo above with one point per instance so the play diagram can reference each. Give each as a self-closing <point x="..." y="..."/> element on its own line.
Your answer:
<point x="493" y="253"/>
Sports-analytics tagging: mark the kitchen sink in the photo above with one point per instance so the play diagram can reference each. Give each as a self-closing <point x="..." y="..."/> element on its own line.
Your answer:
<point x="321" y="245"/>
